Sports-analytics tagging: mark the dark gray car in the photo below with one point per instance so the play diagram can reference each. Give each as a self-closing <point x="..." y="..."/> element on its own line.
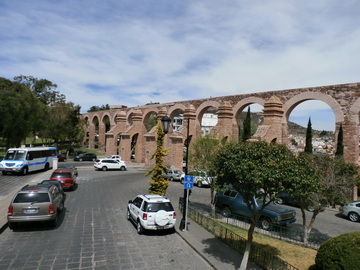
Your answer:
<point x="36" y="203"/>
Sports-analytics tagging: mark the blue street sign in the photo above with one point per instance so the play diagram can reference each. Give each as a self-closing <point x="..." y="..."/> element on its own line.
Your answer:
<point x="188" y="185"/>
<point x="189" y="179"/>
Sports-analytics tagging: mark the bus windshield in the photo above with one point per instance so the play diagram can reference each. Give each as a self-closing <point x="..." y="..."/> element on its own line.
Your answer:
<point x="15" y="155"/>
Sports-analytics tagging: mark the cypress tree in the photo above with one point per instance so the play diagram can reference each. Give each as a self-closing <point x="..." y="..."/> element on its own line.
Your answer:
<point x="340" y="145"/>
<point x="308" y="141"/>
<point x="247" y="126"/>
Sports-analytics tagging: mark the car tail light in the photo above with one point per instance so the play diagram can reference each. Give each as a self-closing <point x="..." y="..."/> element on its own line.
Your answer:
<point x="51" y="209"/>
<point x="174" y="215"/>
<point x="145" y="216"/>
<point x="10" y="210"/>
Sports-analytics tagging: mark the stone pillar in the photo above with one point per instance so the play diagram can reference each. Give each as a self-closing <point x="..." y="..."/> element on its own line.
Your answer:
<point x="224" y="125"/>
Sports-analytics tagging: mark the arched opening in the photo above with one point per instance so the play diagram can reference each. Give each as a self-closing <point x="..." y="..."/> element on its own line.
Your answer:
<point x="255" y="113"/>
<point x="177" y="117"/>
<point x="133" y="146"/>
<point x="322" y="120"/>
<point x="96" y="132"/>
<point x="209" y="119"/>
<point x="150" y="121"/>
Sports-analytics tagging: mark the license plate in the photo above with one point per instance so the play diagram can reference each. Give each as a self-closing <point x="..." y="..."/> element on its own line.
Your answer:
<point x="30" y="210"/>
<point x="160" y="227"/>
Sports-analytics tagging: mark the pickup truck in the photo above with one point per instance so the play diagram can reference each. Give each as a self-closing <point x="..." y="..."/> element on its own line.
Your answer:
<point x="230" y="202"/>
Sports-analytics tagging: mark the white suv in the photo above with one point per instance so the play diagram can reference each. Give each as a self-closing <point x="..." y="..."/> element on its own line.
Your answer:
<point x="110" y="164"/>
<point x="151" y="212"/>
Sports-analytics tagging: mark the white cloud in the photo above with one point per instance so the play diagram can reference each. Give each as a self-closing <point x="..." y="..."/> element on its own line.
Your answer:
<point x="142" y="51"/>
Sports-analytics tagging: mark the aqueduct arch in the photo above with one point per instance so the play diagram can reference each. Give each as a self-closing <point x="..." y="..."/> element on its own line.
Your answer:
<point x="125" y="123"/>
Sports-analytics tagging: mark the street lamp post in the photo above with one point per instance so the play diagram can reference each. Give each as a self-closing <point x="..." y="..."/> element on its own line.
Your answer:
<point x="183" y="225"/>
<point x="165" y="121"/>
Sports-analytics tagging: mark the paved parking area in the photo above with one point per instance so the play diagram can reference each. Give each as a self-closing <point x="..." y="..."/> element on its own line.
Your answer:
<point x="93" y="233"/>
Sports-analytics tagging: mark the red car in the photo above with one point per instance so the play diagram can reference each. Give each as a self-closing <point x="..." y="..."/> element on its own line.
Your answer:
<point x="66" y="177"/>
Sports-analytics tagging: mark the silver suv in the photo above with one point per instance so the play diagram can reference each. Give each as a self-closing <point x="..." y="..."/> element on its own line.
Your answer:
<point x="151" y="212"/>
<point x="35" y="203"/>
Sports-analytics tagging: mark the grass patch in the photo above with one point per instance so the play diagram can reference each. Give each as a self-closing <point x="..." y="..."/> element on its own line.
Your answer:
<point x="298" y="256"/>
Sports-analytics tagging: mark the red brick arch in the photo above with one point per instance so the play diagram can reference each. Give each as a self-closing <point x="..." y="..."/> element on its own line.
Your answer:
<point x="343" y="99"/>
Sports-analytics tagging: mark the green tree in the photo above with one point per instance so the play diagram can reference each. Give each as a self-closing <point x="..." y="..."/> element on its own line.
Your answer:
<point x="340" y="145"/>
<point x="105" y="107"/>
<point x="43" y="89"/>
<point x="62" y="122"/>
<point x="202" y="153"/>
<point x="259" y="170"/>
<point x="19" y="111"/>
<point x="332" y="185"/>
<point x="158" y="184"/>
<point x="247" y="126"/>
<point x="308" y="140"/>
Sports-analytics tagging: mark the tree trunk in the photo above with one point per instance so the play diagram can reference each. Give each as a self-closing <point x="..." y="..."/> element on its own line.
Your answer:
<point x="246" y="255"/>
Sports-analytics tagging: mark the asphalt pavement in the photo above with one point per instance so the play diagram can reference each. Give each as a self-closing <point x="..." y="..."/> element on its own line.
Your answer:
<point x="217" y="254"/>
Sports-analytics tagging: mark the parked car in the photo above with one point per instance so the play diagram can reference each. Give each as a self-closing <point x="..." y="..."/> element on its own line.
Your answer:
<point x="110" y="164"/>
<point x="55" y="183"/>
<point x="115" y="157"/>
<point x="230" y="202"/>
<point x="151" y="212"/>
<point x="85" y="157"/>
<point x="70" y="167"/>
<point x="66" y="177"/>
<point x="351" y="211"/>
<point x="62" y="157"/>
<point x="285" y="198"/>
<point x="35" y="203"/>
<point x="201" y="178"/>
<point x="172" y="175"/>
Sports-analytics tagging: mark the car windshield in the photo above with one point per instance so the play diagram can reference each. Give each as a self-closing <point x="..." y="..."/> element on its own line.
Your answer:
<point x="154" y="207"/>
<point x="15" y="155"/>
<point x="31" y="197"/>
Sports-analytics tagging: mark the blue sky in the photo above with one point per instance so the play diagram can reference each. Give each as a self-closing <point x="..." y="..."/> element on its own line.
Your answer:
<point x="131" y="52"/>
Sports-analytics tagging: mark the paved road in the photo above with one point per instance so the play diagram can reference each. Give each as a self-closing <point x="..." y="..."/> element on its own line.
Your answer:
<point x="93" y="232"/>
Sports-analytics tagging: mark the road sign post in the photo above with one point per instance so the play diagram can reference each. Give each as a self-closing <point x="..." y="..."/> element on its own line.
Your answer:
<point x="188" y="184"/>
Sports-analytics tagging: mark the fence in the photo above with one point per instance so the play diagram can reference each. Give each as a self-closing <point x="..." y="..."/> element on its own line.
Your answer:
<point x="284" y="233"/>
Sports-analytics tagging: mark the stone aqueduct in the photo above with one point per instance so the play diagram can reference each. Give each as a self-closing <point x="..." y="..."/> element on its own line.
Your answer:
<point x="115" y="131"/>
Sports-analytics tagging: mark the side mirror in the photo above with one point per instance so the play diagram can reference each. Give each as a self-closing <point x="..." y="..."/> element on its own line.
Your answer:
<point x="130" y="201"/>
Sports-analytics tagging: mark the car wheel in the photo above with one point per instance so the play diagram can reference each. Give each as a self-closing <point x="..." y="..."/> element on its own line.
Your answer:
<point x="25" y="171"/>
<point x="354" y="217"/>
<point x="4" y="173"/>
<point x="199" y="184"/>
<point x="61" y="207"/>
<point x="104" y="168"/>
<point x="93" y="159"/>
<point x="53" y="222"/>
<point x="226" y="212"/>
<point x="139" y="228"/>
<point x="265" y="223"/>
<point x="171" y="179"/>
<point x="80" y="159"/>
<point x="47" y="167"/>
<point x="12" y="225"/>
<point x="182" y="181"/>
<point x="122" y="168"/>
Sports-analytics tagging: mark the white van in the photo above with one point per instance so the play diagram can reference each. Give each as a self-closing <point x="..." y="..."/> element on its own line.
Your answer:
<point x="28" y="159"/>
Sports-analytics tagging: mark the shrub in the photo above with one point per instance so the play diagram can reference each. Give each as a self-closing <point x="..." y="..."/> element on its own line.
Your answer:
<point x="341" y="252"/>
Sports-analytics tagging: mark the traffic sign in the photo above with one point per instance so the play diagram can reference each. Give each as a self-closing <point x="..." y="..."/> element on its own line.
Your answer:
<point x="188" y="185"/>
<point x="189" y="179"/>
